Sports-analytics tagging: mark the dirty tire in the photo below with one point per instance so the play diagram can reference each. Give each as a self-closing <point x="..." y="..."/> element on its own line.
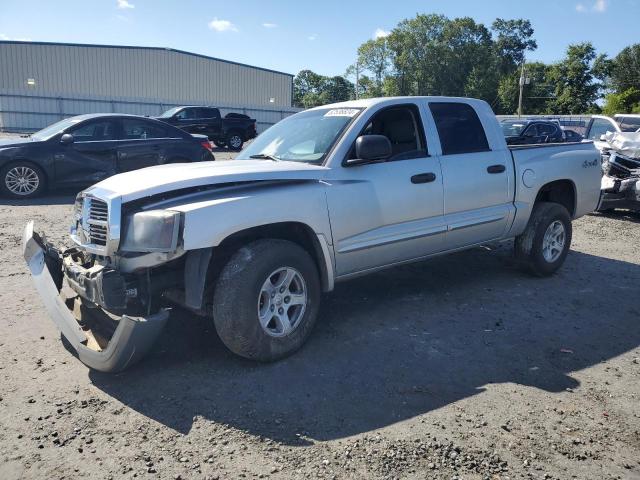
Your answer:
<point x="35" y="181"/>
<point x="236" y="298"/>
<point x="529" y="245"/>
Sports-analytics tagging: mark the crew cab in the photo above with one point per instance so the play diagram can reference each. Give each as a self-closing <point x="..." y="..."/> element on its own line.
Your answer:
<point x="323" y="196"/>
<point x="231" y="131"/>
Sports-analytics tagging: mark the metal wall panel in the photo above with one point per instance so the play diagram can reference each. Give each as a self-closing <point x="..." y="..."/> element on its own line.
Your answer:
<point x="74" y="79"/>
<point x="137" y="72"/>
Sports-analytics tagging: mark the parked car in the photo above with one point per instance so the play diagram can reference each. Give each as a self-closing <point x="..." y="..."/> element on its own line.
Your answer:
<point x="600" y="125"/>
<point x="81" y="150"/>
<point x="231" y="131"/>
<point x="527" y="132"/>
<point x="323" y="196"/>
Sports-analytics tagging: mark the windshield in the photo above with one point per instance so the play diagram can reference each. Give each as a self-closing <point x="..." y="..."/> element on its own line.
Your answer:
<point x="170" y="113"/>
<point x="512" y="128"/>
<point x="58" y="127"/>
<point x="303" y="137"/>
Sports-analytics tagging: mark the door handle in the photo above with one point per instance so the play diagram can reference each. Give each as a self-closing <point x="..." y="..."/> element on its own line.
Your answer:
<point x="496" y="169"/>
<point x="423" y="178"/>
<point x="122" y="154"/>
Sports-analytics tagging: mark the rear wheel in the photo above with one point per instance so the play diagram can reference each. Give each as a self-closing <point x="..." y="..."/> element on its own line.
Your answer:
<point x="235" y="141"/>
<point x="266" y="299"/>
<point x="544" y="245"/>
<point x="22" y="180"/>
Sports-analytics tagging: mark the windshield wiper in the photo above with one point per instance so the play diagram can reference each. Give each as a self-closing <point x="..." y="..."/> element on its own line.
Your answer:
<point x="263" y="156"/>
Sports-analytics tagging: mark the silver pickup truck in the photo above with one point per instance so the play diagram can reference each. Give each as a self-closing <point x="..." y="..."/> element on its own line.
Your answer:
<point x="323" y="196"/>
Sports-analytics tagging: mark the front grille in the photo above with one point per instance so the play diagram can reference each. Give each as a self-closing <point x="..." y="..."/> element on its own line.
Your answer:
<point x="97" y="221"/>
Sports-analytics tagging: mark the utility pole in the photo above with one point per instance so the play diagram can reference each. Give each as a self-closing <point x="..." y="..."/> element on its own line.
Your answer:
<point x="357" y="79"/>
<point x="522" y="80"/>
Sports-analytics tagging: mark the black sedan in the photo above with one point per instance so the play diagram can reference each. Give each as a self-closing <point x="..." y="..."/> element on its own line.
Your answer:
<point x="85" y="149"/>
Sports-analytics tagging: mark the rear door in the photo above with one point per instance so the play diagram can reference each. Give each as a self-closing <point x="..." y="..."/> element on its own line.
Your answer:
<point x="477" y="176"/>
<point x="92" y="155"/>
<point x="143" y="144"/>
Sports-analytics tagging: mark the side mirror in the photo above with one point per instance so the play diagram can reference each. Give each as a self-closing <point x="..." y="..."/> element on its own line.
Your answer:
<point x="603" y="138"/>
<point x="66" y="139"/>
<point x="371" y="148"/>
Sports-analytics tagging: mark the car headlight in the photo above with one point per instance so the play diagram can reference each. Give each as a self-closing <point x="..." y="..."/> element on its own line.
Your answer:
<point x="152" y="231"/>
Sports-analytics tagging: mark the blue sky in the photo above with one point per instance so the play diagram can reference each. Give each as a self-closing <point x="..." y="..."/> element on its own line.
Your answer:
<point x="292" y="35"/>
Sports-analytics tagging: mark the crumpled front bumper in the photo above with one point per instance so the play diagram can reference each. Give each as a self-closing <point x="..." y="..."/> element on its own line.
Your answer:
<point x="132" y="337"/>
<point x="620" y="193"/>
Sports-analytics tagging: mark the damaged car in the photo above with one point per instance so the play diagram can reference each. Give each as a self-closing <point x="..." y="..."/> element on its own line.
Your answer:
<point x="620" y="171"/>
<point x="325" y="195"/>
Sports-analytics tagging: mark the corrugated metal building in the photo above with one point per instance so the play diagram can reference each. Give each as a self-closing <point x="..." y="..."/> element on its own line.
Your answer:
<point x="44" y="82"/>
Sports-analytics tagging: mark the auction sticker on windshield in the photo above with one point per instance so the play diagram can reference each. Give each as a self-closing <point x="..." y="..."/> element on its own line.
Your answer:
<point x="342" y="112"/>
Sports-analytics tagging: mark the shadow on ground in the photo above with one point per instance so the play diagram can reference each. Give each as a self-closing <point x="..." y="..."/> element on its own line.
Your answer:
<point x="394" y="345"/>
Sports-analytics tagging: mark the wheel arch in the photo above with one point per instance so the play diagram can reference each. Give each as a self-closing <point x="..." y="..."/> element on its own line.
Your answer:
<point x="198" y="281"/>
<point x="561" y="191"/>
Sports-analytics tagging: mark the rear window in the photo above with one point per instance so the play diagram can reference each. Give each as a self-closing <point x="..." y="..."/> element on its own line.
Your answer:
<point x="459" y="128"/>
<point x="628" y="124"/>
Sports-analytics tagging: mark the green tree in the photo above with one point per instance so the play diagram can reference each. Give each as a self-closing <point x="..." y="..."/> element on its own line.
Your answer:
<point x="513" y="38"/>
<point x="311" y="89"/>
<point x="625" y="69"/>
<point x="374" y="56"/>
<point x="576" y="80"/>
<point x="627" y="101"/>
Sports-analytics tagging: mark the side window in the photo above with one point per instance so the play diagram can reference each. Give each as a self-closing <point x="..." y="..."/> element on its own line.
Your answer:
<point x="599" y="127"/>
<point x="94" y="131"/>
<point x="403" y="127"/>
<point x="531" y="131"/>
<point x="459" y="128"/>
<point x="629" y="124"/>
<point x="545" y="129"/>
<point x="139" y="129"/>
<point x="186" y="114"/>
<point x="209" y="113"/>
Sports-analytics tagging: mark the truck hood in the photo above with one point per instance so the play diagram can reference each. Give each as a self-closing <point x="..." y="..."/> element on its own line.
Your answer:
<point x="177" y="176"/>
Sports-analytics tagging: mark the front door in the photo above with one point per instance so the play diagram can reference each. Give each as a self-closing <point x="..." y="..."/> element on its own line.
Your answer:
<point x="389" y="212"/>
<point x="478" y="191"/>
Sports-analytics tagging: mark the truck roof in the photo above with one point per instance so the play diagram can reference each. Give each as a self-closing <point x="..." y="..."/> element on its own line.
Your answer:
<point x="369" y="102"/>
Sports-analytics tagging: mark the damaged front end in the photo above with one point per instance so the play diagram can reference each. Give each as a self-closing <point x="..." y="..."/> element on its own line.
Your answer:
<point x="105" y="315"/>
<point x="620" y="171"/>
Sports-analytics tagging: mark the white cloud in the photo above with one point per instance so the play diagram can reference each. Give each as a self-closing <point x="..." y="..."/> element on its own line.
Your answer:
<point x="124" y="4"/>
<point x="15" y="39"/>
<point x="599" y="6"/>
<point x="380" y="33"/>
<point x="222" y="25"/>
<point x="269" y="25"/>
<point x="313" y="36"/>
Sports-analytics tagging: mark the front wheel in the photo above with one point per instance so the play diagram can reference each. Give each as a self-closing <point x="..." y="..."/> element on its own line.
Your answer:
<point x="22" y="180"/>
<point x="543" y="246"/>
<point x="266" y="300"/>
<point x="235" y="141"/>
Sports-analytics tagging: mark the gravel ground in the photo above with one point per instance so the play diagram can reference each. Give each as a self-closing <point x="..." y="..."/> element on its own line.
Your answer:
<point x="460" y="367"/>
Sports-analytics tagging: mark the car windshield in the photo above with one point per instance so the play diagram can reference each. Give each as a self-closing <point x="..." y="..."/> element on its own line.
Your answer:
<point x="58" y="127"/>
<point x="303" y="137"/>
<point x="512" y="128"/>
<point x="170" y="113"/>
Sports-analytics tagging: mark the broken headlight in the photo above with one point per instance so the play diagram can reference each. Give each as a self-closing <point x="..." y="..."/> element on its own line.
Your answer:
<point x="152" y="231"/>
